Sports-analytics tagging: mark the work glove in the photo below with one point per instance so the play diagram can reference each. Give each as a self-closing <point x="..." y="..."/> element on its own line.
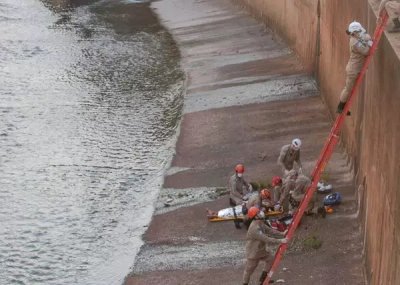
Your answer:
<point x="261" y="215"/>
<point x="284" y="240"/>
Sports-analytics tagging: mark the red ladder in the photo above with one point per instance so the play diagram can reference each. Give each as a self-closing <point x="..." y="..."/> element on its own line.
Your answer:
<point x="326" y="152"/>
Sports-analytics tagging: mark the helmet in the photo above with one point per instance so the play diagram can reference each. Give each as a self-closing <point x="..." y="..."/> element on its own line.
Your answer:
<point x="276" y="180"/>
<point x="253" y="211"/>
<point x="265" y="193"/>
<point x="355" y="27"/>
<point x="239" y="168"/>
<point x="329" y="209"/>
<point x="332" y="199"/>
<point x="296" y="144"/>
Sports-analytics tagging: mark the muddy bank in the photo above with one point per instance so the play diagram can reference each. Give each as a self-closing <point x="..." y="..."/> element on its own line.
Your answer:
<point x="247" y="95"/>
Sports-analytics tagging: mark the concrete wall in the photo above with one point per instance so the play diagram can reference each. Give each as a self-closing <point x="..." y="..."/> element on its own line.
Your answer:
<point x="315" y="29"/>
<point x="287" y="18"/>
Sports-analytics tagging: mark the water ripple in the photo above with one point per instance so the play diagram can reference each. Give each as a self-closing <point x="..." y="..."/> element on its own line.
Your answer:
<point x="90" y="102"/>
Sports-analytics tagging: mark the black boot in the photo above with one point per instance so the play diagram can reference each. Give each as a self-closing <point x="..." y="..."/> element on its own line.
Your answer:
<point x="263" y="276"/>
<point x="396" y="27"/>
<point x="237" y="224"/>
<point x="322" y="212"/>
<point x="340" y="108"/>
<point x="308" y="213"/>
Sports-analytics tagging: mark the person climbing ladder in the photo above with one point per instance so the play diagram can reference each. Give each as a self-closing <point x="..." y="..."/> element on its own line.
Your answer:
<point x="360" y="43"/>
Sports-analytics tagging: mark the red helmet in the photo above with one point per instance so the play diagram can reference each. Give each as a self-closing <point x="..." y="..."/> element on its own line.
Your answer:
<point x="276" y="180"/>
<point x="265" y="193"/>
<point x="253" y="211"/>
<point x="239" y="168"/>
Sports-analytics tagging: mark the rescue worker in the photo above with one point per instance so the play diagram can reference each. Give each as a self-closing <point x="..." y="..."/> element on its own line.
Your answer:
<point x="262" y="200"/>
<point x="276" y="183"/>
<point x="392" y="7"/>
<point x="258" y="236"/>
<point x="288" y="186"/>
<point x="289" y="154"/>
<point x="301" y="186"/>
<point x="360" y="43"/>
<point x="280" y="197"/>
<point x="238" y="186"/>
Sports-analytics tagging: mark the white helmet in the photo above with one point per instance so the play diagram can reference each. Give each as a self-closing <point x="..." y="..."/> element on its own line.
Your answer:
<point x="355" y="27"/>
<point x="296" y="144"/>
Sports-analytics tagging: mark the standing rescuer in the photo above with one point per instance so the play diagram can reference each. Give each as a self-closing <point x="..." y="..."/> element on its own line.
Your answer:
<point x="258" y="236"/>
<point x="392" y="7"/>
<point x="360" y="43"/>
<point x="301" y="185"/>
<point x="289" y="154"/>
<point x="238" y="186"/>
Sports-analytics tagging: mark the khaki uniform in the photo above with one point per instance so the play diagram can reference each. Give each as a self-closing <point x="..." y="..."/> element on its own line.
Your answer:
<point x="359" y="50"/>
<point x="276" y="194"/>
<point x="254" y="201"/>
<point x="281" y="196"/>
<point x="238" y="187"/>
<point x="392" y="7"/>
<point x="288" y="156"/>
<point x="257" y="238"/>
<point x="288" y="185"/>
<point x="302" y="183"/>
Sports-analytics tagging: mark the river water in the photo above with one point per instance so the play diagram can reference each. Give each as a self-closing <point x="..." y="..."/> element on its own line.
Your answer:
<point x="90" y="97"/>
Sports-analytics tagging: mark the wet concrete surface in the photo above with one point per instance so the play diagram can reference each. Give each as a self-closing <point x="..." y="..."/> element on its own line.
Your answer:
<point x="227" y="52"/>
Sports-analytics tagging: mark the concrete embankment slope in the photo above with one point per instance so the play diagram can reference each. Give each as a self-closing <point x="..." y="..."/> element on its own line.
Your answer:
<point x="372" y="133"/>
<point x="247" y="95"/>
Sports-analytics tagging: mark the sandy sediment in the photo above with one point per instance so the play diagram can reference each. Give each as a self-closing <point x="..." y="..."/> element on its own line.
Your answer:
<point x="247" y="95"/>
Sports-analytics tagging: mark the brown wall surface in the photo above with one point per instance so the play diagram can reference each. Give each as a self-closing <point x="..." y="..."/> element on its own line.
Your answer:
<point x="315" y="30"/>
<point x="287" y="18"/>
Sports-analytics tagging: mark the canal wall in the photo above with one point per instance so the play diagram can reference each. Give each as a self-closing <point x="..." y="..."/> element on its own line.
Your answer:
<point x="315" y="30"/>
<point x="246" y="95"/>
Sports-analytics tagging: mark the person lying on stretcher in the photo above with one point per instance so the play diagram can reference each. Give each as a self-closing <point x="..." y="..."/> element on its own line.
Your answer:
<point x="261" y="200"/>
